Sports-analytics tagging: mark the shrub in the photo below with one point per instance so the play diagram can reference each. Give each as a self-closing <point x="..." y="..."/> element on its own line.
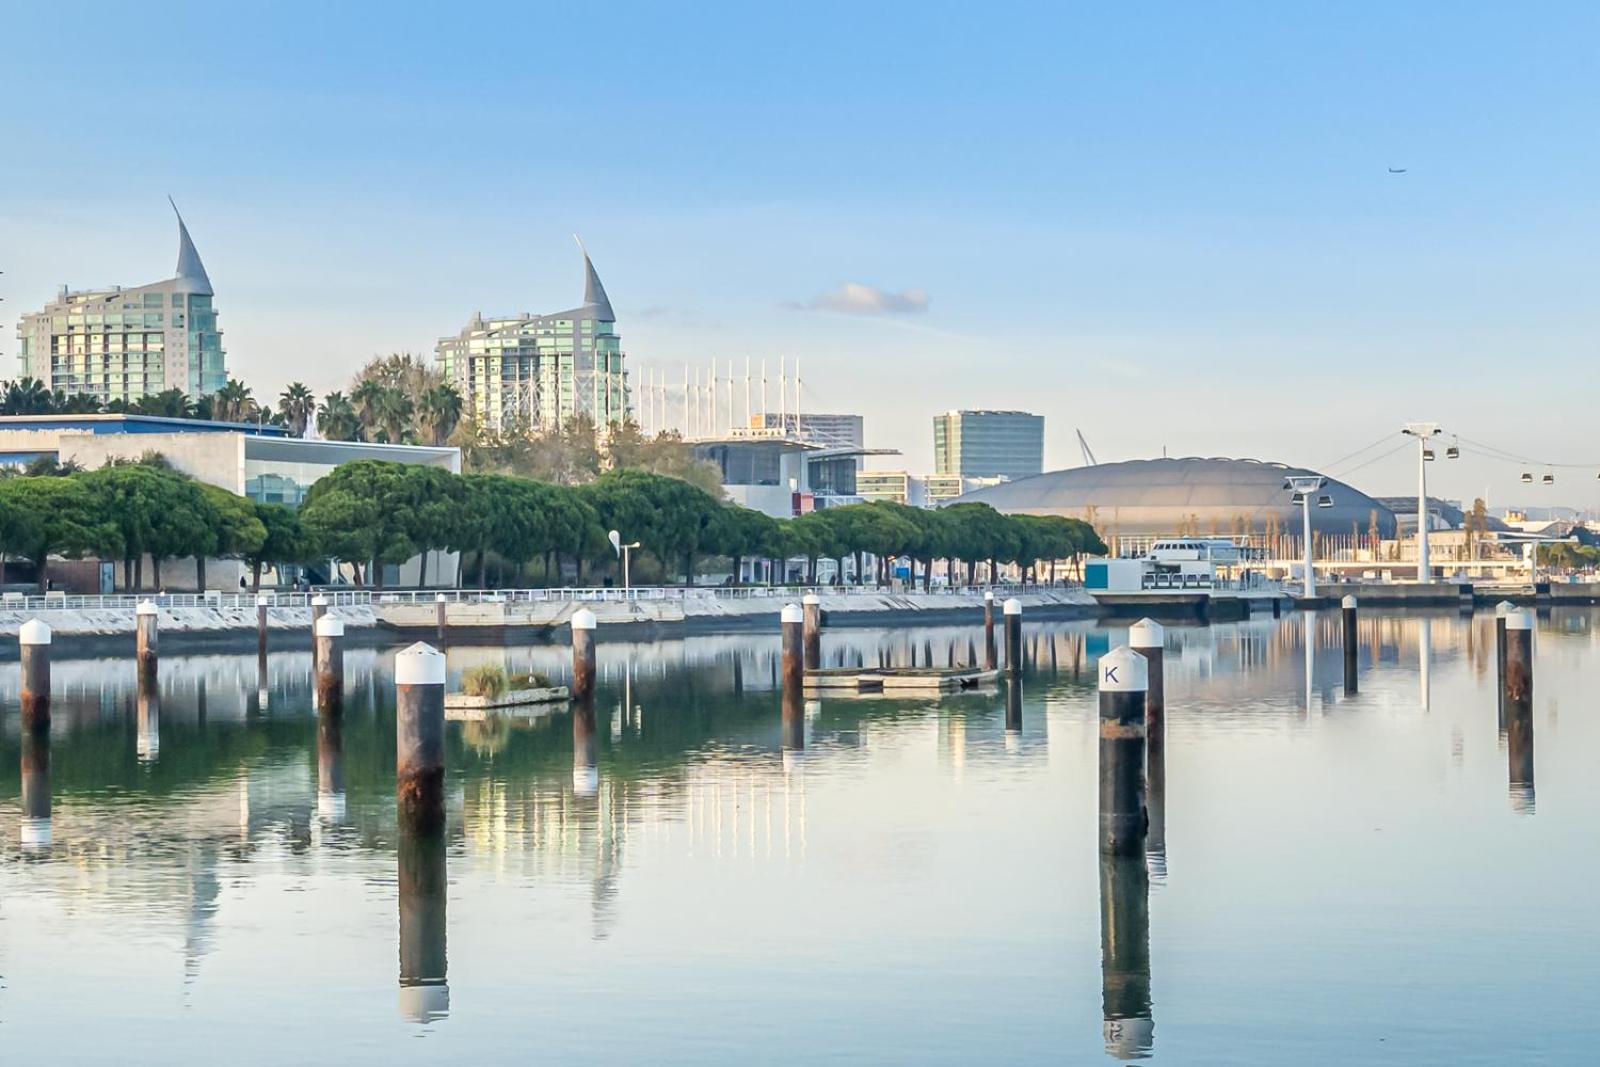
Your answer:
<point x="486" y="680"/>
<point x="533" y="680"/>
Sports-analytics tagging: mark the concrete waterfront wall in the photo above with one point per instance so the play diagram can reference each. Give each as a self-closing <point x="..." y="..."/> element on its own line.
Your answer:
<point x="114" y="622"/>
<point x="703" y="610"/>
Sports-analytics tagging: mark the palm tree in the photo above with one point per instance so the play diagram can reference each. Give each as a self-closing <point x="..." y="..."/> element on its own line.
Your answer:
<point x="233" y="402"/>
<point x="338" y="420"/>
<point x="297" y="404"/>
<point x="392" y="410"/>
<point x="27" y="396"/>
<point x="171" y="403"/>
<point x="364" y="397"/>
<point x="438" y="412"/>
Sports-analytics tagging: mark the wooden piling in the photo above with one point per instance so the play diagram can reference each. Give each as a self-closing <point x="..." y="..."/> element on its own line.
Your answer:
<point x="811" y="604"/>
<point x="441" y="615"/>
<point x="423" y="891"/>
<point x="1124" y="682"/>
<point x="146" y="630"/>
<point x="792" y="623"/>
<point x="419" y="674"/>
<point x="989" y="658"/>
<point x="1149" y="638"/>
<point x="583" y="655"/>
<point x="1125" y="957"/>
<point x="1013" y="617"/>
<point x="329" y="661"/>
<point x="263" y="602"/>
<point x="1518" y="691"/>
<point x="319" y="608"/>
<point x="1500" y="611"/>
<point x="33" y="642"/>
<point x="1352" y="644"/>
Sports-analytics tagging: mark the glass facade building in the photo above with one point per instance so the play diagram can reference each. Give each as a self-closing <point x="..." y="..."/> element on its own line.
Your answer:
<point x="122" y="344"/>
<point x="536" y="372"/>
<point x="988" y="444"/>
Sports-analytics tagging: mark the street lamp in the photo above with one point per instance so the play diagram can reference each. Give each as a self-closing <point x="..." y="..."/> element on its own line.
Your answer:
<point x="1303" y="486"/>
<point x="623" y="551"/>
<point x="1422" y="431"/>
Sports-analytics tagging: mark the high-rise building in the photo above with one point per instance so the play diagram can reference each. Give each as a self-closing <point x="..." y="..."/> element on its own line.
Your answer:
<point x="122" y="344"/>
<point x="988" y="444"/>
<point x="537" y="372"/>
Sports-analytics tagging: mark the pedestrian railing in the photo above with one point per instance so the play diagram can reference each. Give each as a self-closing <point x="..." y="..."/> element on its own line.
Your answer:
<point x="346" y="597"/>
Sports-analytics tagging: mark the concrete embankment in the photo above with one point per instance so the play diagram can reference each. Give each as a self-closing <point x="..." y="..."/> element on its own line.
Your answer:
<point x="90" y="630"/>
<point x="705" y="612"/>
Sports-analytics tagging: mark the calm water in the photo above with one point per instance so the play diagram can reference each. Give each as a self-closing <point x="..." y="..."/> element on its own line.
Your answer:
<point x="1345" y="878"/>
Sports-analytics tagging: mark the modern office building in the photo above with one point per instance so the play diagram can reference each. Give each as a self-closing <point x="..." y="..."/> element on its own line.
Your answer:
<point x="122" y="344"/>
<point x="988" y="444"/>
<point x="894" y="487"/>
<point x="262" y="462"/>
<point x="536" y="372"/>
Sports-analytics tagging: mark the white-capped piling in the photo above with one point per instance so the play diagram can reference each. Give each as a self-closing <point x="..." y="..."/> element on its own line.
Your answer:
<point x="1501" y="610"/>
<point x="419" y="675"/>
<point x="792" y="620"/>
<point x="146" y="655"/>
<point x="1149" y="639"/>
<point x="1013" y="616"/>
<point x="33" y="642"/>
<point x="583" y="655"/>
<point x="319" y="608"/>
<point x="1352" y="644"/>
<point x="989" y="655"/>
<point x="263" y="602"/>
<point x="812" y="606"/>
<point x="1518" y="697"/>
<point x="329" y="665"/>
<point x="1124" y="683"/>
<point x="441" y="615"/>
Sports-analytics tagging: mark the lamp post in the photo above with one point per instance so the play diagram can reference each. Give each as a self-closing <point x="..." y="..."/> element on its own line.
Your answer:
<point x="1303" y="486"/>
<point x="1422" y="431"/>
<point x="624" y="551"/>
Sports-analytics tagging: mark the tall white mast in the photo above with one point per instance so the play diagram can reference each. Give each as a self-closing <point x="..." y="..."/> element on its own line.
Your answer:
<point x="797" y="396"/>
<point x="783" y="398"/>
<point x="763" y="392"/>
<point x="747" y="391"/>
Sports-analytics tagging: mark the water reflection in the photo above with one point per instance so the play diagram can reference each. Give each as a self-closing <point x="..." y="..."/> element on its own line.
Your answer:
<point x="1125" y="957"/>
<point x="35" y="823"/>
<point x="704" y="784"/>
<point x="423" y="891"/>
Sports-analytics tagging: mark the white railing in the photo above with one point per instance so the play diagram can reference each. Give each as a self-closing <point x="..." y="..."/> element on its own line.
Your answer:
<point x="590" y="594"/>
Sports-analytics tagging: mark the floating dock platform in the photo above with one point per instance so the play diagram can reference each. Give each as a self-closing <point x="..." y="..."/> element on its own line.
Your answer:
<point x="898" y="680"/>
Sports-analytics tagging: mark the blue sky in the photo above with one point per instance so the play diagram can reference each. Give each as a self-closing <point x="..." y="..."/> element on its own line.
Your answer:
<point x="1170" y="226"/>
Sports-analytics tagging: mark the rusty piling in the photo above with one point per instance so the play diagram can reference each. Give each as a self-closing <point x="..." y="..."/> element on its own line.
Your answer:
<point x="419" y="675"/>
<point x="989" y="658"/>
<point x="34" y="648"/>
<point x="329" y="666"/>
<point x="1124" y="683"/>
<point x="811" y="604"/>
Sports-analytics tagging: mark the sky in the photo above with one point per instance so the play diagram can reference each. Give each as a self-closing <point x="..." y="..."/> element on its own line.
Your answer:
<point x="1170" y="226"/>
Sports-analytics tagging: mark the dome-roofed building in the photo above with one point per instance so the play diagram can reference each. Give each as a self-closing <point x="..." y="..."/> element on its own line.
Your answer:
<point x="1193" y="495"/>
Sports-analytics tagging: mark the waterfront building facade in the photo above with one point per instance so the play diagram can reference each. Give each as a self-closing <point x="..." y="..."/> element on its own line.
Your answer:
<point x="126" y="343"/>
<point x="262" y="462"/>
<point x="988" y="444"/>
<point x="537" y="372"/>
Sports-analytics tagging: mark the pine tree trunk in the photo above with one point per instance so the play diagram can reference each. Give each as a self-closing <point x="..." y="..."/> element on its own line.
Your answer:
<point x="255" y="577"/>
<point x="483" y="565"/>
<point x="422" y="576"/>
<point x="200" y="573"/>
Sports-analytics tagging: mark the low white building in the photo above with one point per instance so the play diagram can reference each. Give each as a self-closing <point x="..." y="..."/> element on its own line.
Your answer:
<point x="263" y="463"/>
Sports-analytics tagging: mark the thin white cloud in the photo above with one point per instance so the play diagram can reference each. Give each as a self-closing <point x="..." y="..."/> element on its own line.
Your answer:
<point x="856" y="298"/>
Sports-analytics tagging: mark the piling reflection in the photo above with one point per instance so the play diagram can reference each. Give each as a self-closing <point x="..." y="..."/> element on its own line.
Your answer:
<point x="1013" y="706"/>
<point x="423" y="889"/>
<point x="585" y="767"/>
<point x="1125" y="957"/>
<point x="793" y="729"/>
<point x="36" y="833"/>
<point x="148" y="734"/>
<point x="330" y="768"/>
<point x="1519" y="750"/>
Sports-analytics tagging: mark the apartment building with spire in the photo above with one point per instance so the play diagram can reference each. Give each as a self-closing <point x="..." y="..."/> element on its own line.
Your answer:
<point x="124" y="343"/>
